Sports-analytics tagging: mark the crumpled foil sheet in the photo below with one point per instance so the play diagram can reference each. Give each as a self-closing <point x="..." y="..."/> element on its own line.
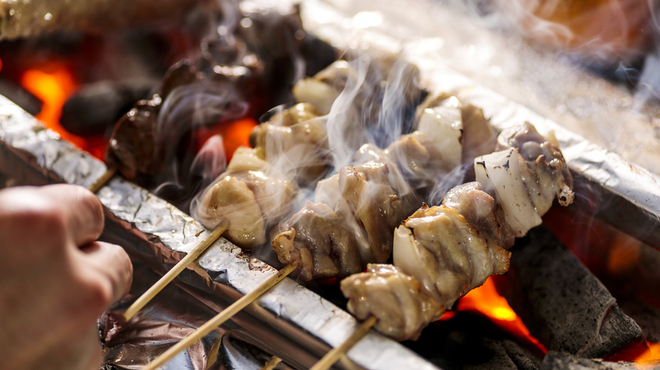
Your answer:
<point x="289" y="321"/>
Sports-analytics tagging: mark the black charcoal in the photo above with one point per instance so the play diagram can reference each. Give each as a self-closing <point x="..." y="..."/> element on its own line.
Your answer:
<point x="96" y="107"/>
<point x="562" y="361"/>
<point x="471" y="341"/>
<point x="562" y="304"/>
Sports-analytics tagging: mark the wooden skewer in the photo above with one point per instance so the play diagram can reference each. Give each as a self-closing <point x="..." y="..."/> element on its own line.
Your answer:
<point x="270" y="365"/>
<point x="220" y="318"/>
<point x="98" y="184"/>
<point x="176" y="270"/>
<point x="331" y="357"/>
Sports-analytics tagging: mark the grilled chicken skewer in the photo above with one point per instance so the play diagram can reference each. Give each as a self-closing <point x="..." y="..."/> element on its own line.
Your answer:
<point x="356" y="210"/>
<point x="440" y="253"/>
<point x="291" y="152"/>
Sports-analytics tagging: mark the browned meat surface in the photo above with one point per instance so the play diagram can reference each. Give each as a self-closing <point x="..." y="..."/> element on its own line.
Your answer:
<point x="446" y="254"/>
<point x="316" y="238"/>
<point x="370" y="207"/>
<point x="359" y="207"/>
<point x="480" y="209"/>
<point x="251" y="194"/>
<point x="478" y="136"/>
<point x="455" y="247"/>
<point x="396" y="299"/>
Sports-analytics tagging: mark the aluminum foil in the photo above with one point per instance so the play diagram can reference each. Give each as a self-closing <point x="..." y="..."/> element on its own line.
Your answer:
<point x="290" y="321"/>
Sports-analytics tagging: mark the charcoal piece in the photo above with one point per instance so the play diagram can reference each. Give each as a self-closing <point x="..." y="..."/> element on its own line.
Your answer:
<point x="98" y="106"/>
<point x="646" y="316"/>
<point x="20" y="96"/>
<point x="471" y="341"/>
<point x="562" y="304"/>
<point x="317" y="54"/>
<point x="562" y="361"/>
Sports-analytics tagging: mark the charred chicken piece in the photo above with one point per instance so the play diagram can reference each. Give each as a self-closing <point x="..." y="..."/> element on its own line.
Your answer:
<point x="369" y="205"/>
<point x="251" y="194"/>
<point x="316" y="238"/>
<point x="398" y="301"/>
<point x="448" y="136"/>
<point x="453" y="248"/>
<point x="360" y="208"/>
<point x="482" y="211"/>
<point x="295" y="142"/>
<point x="446" y="254"/>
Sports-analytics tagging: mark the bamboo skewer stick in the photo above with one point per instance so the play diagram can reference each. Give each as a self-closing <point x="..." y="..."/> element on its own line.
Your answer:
<point x="220" y="318"/>
<point x="176" y="270"/>
<point x="270" y="365"/>
<point x="331" y="357"/>
<point x="98" y="184"/>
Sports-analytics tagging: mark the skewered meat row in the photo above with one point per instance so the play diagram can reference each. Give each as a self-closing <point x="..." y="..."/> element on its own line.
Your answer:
<point x="294" y="144"/>
<point x="371" y="198"/>
<point x="450" y="249"/>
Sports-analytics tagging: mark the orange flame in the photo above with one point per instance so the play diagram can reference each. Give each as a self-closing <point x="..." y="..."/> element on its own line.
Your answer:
<point x="234" y="134"/>
<point x="652" y="355"/>
<point x="486" y="300"/>
<point x="53" y="84"/>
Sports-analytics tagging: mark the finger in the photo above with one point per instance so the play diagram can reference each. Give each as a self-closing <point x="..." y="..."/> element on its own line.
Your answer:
<point x="81" y="211"/>
<point x="109" y="273"/>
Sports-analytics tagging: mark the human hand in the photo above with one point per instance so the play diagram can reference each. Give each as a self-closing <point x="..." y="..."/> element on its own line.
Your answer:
<point x="55" y="279"/>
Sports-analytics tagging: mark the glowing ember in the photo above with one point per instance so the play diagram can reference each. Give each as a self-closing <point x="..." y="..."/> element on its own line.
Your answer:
<point x="652" y="355"/>
<point x="53" y="84"/>
<point x="234" y="134"/>
<point x="486" y="300"/>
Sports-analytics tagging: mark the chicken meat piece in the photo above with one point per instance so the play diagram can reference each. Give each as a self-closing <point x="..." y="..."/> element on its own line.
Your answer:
<point x="427" y="155"/>
<point x="295" y="142"/>
<point x="317" y="241"/>
<point x="251" y="194"/>
<point x="549" y="171"/>
<point x="369" y="205"/>
<point x="396" y="299"/>
<point x="453" y="248"/>
<point x="446" y="254"/>
<point x="351" y="224"/>
<point x="525" y="177"/>
<point x="482" y="211"/>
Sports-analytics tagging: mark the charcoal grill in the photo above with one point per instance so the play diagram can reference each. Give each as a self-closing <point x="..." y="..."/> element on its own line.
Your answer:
<point x="299" y="326"/>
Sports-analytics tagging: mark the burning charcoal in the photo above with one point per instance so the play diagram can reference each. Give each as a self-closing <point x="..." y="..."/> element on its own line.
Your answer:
<point x="561" y="302"/>
<point x="20" y="96"/>
<point x="97" y="106"/>
<point x="240" y="72"/>
<point x="562" y="361"/>
<point x="471" y="341"/>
